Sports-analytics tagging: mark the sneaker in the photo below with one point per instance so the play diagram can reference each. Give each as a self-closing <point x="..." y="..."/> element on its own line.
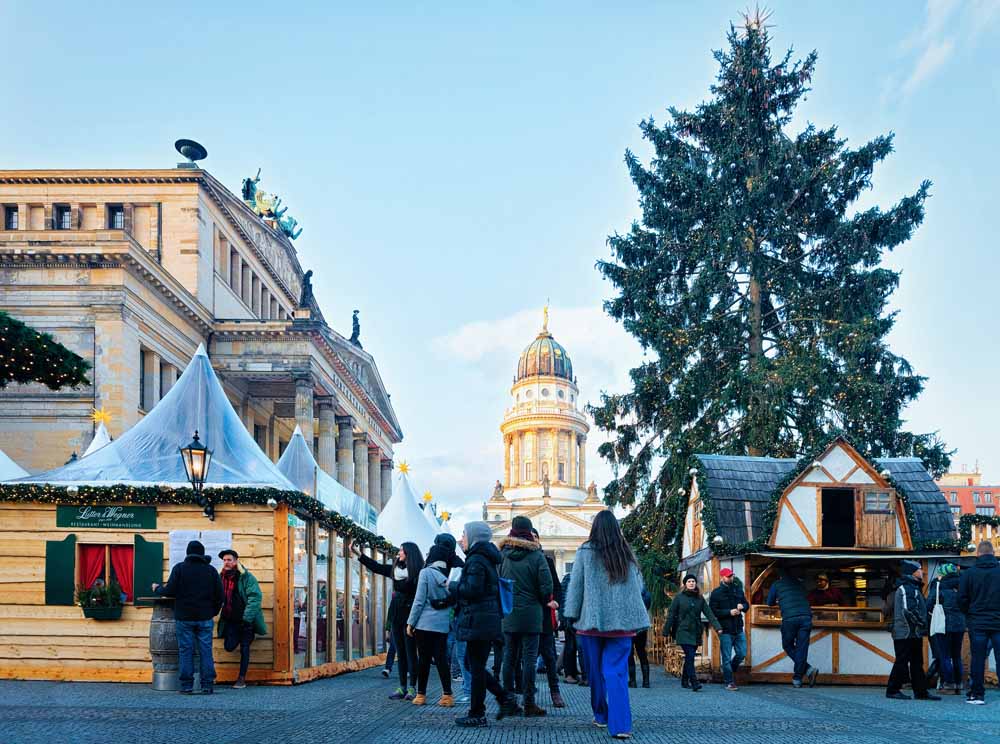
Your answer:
<point x="239" y="684"/>
<point x="732" y="687"/>
<point x="419" y="699"/>
<point x="471" y="722"/>
<point x="399" y="694"/>
<point x="385" y="674"/>
<point x="446" y="701"/>
<point x="410" y="694"/>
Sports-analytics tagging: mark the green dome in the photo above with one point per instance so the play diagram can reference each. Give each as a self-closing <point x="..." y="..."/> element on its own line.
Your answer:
<point x="545" y="356"/>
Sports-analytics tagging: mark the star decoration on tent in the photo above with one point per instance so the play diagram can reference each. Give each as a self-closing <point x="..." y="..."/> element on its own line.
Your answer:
<point x="100" y="416"/>
<point x="404" y="468"/>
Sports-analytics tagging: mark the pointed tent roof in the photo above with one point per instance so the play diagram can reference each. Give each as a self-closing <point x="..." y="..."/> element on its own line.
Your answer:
<point x="148" y="453"/>
<point x="10" y="470"/>
<point x="299" y="466"/>
<point x="101" y="438"/>
<point x="402" y="519"/>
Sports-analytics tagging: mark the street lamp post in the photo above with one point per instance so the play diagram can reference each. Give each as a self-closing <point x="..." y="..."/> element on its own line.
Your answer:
<point x="197" y="458"/>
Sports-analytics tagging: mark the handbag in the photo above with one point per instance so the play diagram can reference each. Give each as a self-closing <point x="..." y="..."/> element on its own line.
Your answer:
<point x="939" y="621"/>
<point x="506" y="588"/>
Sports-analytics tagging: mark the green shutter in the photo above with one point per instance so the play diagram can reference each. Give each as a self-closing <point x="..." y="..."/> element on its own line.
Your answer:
<point x="148" y="569"/>
<point x="60" y="570"/>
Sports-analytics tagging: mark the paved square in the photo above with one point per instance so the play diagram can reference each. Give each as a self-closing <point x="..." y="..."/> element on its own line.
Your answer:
<point x="355" y="708"/>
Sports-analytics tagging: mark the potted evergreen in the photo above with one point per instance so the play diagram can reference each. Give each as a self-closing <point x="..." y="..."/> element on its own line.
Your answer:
<point x="102" y="601"/>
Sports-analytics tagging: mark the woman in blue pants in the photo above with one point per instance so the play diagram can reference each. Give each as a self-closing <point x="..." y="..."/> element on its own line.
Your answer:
<point x="604" y="603"/>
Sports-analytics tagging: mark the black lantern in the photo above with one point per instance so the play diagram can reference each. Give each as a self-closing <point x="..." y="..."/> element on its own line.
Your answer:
<point x="197" y="458"/>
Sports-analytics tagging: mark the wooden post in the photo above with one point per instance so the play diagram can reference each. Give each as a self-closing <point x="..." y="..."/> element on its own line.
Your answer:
<point x="312" y="587"/>
<point x="283" y="653"/>
<point x="348" y="606"/>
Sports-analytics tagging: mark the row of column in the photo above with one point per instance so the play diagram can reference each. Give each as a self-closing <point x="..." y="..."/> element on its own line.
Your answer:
<point x="514" y="474"/>
<point x="343" y="453"/>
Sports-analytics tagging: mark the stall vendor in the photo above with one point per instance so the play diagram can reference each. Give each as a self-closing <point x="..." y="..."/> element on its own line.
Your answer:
<point x="824" y="594"/>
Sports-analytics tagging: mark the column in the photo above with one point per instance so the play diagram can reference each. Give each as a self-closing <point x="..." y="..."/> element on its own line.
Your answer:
<point x="375" y="479"/>
<point x="573" y="480"/>
<point x="150" y="380"/>
<point x="583" y="461"/>
<point x="345" y="451"/>
<point x="304" y="408"/>
<point x="506" y="460"/>
<point x="517" y="467"/>
<point x="385" y="482"/>
<point x="326" y="458"/>
<point x="361" y="465"/>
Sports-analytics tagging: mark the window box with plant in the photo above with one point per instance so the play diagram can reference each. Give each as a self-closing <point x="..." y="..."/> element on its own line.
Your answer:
<point x="102" y="601"/>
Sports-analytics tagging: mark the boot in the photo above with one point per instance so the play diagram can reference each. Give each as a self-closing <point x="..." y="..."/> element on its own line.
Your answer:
<point x="557" y="701"/>
<point x="645" y="675"/>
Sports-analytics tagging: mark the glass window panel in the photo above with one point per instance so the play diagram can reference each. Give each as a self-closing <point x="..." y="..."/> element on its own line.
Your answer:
<point x="322" y="592"/>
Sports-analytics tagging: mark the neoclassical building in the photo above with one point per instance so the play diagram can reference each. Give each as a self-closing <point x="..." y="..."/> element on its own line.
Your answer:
<point x="133" y="269"/>
<point x="545" y="462"/>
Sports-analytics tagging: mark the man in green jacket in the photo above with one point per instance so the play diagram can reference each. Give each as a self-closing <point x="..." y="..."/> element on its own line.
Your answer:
<point x="241" y="617"/>
<point x="524" y="563"/>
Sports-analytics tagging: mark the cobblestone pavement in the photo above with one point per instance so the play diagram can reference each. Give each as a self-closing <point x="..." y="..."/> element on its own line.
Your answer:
<point x="354" y="708"/>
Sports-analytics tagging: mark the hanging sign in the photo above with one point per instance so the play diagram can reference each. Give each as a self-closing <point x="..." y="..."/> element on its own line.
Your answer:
<point x="107" y="517"/>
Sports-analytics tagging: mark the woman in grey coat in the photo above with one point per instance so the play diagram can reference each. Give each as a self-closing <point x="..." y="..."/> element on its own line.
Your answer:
<point x="430" y="626"/>
<point x="604" y="603"/>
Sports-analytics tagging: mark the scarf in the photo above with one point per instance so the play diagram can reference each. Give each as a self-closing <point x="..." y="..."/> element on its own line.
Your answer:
<point x="229" y="579"/>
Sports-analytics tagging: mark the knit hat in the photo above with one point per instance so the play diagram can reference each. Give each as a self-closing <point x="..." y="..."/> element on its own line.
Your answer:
<point x="908" y="568"/>
<point x="476" y="532"/>
<point x="196" y="548"/>
<point x="945" y="569"/>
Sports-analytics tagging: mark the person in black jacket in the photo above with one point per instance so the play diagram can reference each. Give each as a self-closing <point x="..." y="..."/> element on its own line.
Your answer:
<point x="477" y="593"/>
<point x="979" y="599"/>
<point x="948" y="645"/>
<point x="197" y="591"/>
<point x="729" y="603"/>
<point x="547" y="643"/>
<point x="796" y="625"/>
<point x="404" y="572"/>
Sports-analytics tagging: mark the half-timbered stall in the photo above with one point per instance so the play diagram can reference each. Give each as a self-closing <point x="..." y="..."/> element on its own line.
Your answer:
<point x="839" y="521"/>
<point x="82" y="545"/>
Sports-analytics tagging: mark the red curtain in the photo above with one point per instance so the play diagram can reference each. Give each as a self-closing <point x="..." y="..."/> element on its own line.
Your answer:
<point x="122" y="561"/>
<point x="91" y="564"/>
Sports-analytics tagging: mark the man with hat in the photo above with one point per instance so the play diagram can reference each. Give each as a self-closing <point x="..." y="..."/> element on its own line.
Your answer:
<point x="729" y="603"/>
<point x="241" y="617"/>
<point x="197" y="591"/>
<point x="909" y="626"/>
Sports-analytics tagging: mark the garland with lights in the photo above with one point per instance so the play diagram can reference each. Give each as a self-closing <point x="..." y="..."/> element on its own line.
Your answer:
<point x="708" y="516"/>
<point x="308" y="507"/>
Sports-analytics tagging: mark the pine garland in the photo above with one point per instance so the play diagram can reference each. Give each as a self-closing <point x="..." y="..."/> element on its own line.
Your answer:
<point x="308" y="507"/>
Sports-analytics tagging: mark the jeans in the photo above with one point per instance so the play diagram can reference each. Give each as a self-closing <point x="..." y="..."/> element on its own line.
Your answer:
<point x="607" y="664"/>
<point x="981" y="640"/>
<point x="527" y="644"/>
<point x="239" y="634"/>
<point x="193" y="634"/>
<point x="948" y="651"/>
<point x="547" y="654"/>
<point x="733" y="650"/>
<point x="406" y="654"/>
<point x="477" y="654"/>
<point x="909" y="657"/>
<point x="795" y="640"/>
<point x="688" y="672"/>
<point x="432" y="646"/>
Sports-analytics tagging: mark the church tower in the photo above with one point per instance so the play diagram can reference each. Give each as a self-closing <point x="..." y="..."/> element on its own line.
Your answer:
<point x="544" y="445"/>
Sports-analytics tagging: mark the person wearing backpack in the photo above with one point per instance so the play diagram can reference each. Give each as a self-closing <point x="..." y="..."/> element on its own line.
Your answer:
<point x="909" y="626"/>
<point x="947" y="626"/>
<point x="241" y="617"/>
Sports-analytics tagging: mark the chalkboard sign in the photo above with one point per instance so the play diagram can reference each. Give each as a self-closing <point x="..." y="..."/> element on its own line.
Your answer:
<point x="107" y="517"/>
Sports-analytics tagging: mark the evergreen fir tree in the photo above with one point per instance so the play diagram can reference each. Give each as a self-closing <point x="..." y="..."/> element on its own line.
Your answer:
<point x="756" y="291"/>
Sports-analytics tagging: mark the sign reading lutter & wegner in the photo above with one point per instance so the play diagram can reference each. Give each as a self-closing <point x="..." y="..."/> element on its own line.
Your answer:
<point x="107" y="517"/>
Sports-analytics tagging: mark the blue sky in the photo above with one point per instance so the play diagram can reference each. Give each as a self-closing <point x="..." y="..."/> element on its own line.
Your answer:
<point x="454" y="165"/>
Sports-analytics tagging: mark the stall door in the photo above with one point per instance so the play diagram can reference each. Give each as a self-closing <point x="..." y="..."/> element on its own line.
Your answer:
<point x="876" y="515"/>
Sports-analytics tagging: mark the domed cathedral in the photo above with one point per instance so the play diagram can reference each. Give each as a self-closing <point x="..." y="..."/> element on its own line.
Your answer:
<point x="545" y="461"/>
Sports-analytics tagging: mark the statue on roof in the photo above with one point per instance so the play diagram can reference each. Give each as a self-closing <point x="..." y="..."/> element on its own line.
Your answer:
<point x="306" y="298"/>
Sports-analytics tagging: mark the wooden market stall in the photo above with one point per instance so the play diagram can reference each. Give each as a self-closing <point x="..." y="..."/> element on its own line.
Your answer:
<point x="125" y="513"/>
<point x="834" y="513"/>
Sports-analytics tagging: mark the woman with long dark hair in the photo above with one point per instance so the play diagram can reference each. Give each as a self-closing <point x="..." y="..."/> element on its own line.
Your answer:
<point x="405" y="574"/>
<point x="604" y="603"/>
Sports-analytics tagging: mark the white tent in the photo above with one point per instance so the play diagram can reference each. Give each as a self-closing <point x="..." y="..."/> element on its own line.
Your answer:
<point x="299" y="466"/>
<point x="10" y="470"/>
<point x="149" y="452"/>
<point x="402" y="519"/>
<point x="101" y="438"/>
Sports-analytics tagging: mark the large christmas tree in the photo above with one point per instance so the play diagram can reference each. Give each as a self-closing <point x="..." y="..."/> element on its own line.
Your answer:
<point x="755" y="288"/>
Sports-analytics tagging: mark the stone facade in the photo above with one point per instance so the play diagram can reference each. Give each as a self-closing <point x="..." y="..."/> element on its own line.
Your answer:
<point x="132" y="269"/>
<point x="545" y="464"/>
